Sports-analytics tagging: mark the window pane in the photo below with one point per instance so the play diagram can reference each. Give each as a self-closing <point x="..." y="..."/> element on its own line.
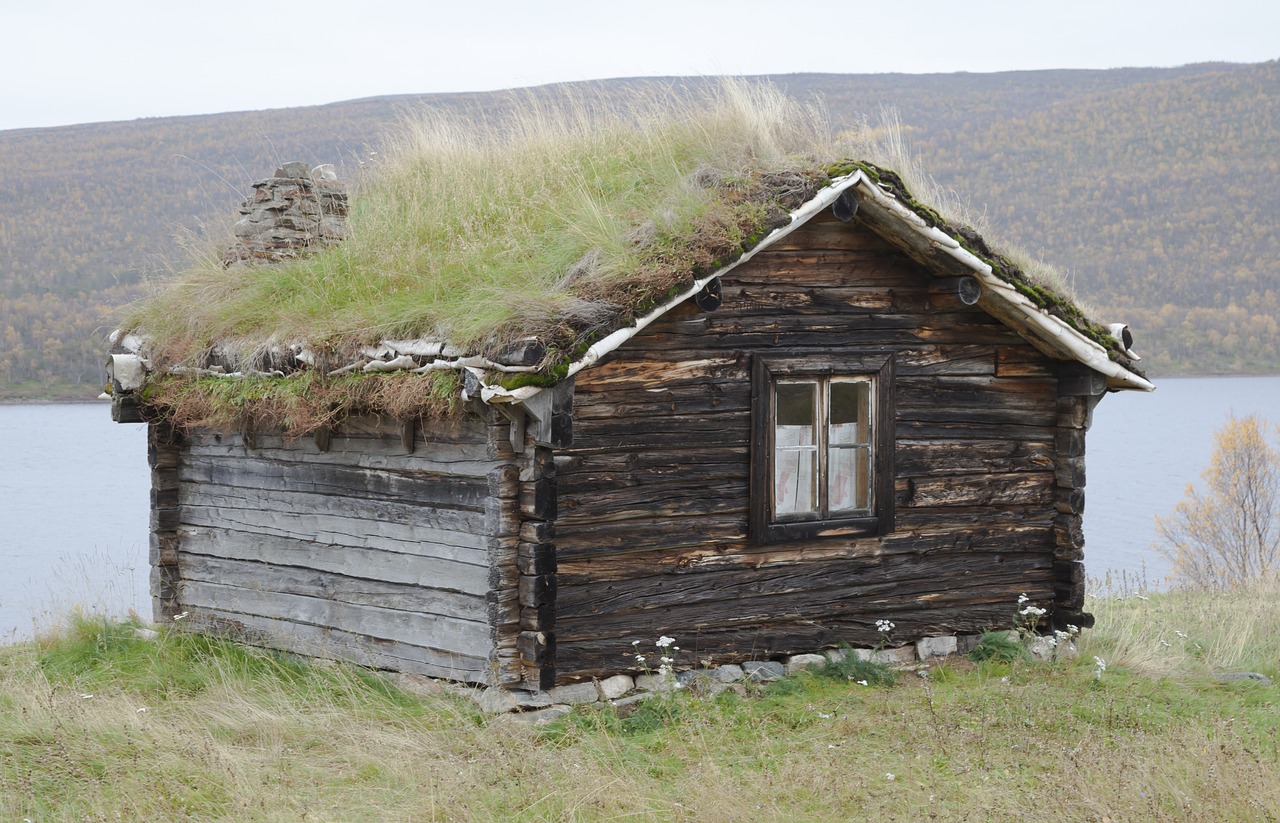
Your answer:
<point x="794" y="481"/>
<point x="796" y="406"/>
<point x="849" y="479"/>
<point x="850" y="412"/>
<point x="795" y="455"/>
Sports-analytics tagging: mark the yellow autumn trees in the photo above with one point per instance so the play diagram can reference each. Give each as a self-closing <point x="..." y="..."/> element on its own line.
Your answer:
<point x="1229" y="534"/>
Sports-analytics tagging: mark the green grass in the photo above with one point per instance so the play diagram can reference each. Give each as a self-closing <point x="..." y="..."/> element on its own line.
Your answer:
<point x="98" y="723"/>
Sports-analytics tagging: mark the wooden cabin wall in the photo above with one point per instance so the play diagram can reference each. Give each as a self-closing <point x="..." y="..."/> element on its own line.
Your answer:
<point x="651" y="534"/>
<point x="370" y="544"/>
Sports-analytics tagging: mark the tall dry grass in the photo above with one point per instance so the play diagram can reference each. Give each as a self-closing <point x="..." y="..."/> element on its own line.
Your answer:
<point x="1189" y="632"/>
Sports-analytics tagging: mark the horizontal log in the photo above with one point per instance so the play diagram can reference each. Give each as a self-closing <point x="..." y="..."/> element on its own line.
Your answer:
<point x="450" y="635"/>
<point x="316" y="641"/>
<point x="577" y="470"/>
<point x="1020" y="488"/>
<point x="946" y="424"/>
<point x="471" y="460"/>
<point x="336" y="531"/>
<point x="821" y="234"/>
<point x="348" y="516"/>
<point x="466" y="572"/>
<point x="1036" y="395"/>
<point x="272" y="578"/>
<point x="649" y="405"/>
<point x="975" y="533"/>
<point x="921" y="458"/>
<point x="796" y="298"/>
<point x="833" y="581"/>
<point x="415" y="488"/>
<point x="1024" y="361"/>
<point x="654" y="502"/>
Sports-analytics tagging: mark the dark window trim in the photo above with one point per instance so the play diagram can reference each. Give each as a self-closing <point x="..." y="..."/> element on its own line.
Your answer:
<point x="765" y="370"/>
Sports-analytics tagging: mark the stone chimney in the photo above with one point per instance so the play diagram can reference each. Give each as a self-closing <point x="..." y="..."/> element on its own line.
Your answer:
<point x="294" y="212"/>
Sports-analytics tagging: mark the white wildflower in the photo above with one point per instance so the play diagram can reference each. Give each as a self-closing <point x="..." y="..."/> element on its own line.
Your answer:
<point x="178" y="617"/>
<point x="1022" y="598"/>
<point x="664" y="641"/>
<point x="862" y="683"/>
<point x="884" y="626"/>
<point x="889" y="776"/>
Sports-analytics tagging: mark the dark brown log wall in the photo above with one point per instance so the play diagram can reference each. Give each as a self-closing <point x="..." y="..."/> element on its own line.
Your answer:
<point x="653" y="494"/>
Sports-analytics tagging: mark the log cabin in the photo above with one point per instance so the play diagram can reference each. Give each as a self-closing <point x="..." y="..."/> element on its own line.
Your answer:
<point x="866" y="414"/>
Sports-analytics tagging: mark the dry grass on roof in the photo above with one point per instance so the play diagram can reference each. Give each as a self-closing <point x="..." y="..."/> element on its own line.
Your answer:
<point x="558" y="219"/>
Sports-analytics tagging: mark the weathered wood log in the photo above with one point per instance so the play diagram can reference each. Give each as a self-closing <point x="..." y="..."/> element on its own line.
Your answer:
<point x="1023" y="488"/>
<point x="422" y="488"/>
<point x="924" y="458"/>
<point x="446" y="634"/>
<point x="306" y="514"/>
<point x="317" y="641"/>
<point x="432" y="566"/>
<point x="418" y="596"/>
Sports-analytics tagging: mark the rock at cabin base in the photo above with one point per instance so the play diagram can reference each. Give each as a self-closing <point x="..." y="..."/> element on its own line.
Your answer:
<point x="728" y="673"/>
<point x="799" y="662"/>
<point x="763" y="671"/>
<point x="927" y="647"/>
<point x="574" y="693"/>
<point x="614" y="687"/>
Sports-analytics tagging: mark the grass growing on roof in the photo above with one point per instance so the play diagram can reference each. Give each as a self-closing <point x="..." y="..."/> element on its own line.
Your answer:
<point x="555" y="219"/>
<point x="563" y="219"/>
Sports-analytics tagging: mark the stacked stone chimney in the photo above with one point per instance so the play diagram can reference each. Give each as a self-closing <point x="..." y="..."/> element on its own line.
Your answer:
<point x="296" y="211"/>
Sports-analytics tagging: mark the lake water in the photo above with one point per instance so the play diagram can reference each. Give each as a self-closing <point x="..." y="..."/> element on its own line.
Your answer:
<point x="75" y="486"/>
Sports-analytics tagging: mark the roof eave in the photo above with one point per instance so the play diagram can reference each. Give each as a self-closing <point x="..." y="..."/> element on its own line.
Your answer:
<point x="891" y="219"/>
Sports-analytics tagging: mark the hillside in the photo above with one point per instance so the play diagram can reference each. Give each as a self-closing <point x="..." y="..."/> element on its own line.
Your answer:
<point x="1154" y="188"/>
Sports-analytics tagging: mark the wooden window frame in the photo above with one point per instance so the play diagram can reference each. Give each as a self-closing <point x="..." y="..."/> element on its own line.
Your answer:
<point x="765" y="371"/>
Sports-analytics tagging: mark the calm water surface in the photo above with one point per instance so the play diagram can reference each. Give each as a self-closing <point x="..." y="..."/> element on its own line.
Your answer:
<point x="74" y="488"/>
<point x="75" y="499"/>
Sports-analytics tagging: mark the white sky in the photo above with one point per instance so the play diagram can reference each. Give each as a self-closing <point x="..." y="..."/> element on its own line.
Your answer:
<point x="75" y="61"/>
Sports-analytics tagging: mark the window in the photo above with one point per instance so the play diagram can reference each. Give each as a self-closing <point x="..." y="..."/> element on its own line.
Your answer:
<point x="822" y="440"/>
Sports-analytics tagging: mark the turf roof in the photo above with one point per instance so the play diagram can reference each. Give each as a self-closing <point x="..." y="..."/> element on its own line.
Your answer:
<point x="562" y="222"/>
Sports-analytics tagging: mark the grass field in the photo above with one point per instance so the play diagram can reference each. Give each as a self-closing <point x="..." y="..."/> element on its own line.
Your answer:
<point x="98" y="724"/>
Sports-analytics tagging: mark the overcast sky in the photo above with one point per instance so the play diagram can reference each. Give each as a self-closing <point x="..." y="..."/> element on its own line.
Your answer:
<point x="76" y="61"/>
